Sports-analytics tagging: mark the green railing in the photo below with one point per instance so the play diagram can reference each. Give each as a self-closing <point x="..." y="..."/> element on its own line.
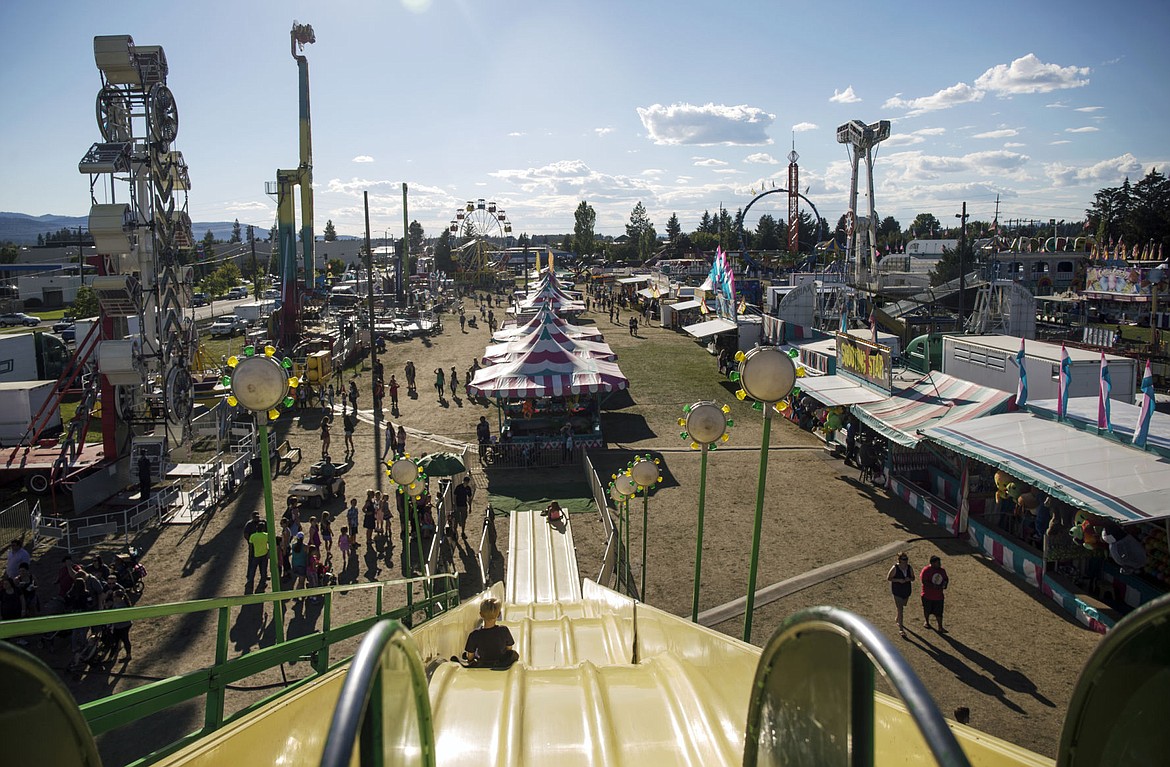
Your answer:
<point x="212" y="683"/>
<point x="813" y="697"/>
<point x="387" y="655"/>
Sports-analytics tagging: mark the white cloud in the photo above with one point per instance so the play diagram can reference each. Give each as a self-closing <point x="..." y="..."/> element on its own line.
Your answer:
<point x="1026" y="74"/>
<point x="846" y="96"/>
<point x="959" y="93"/>
<point x="570" y="177"/>
<point x="517" y="134"/>
<point x="1058" y="143"/>
<point x="708" y="162"/>
<point x="1086" y="129"/>
<point x="726" y="170"/>
<point x="363" y="158"/>
<point x="1088" y="109"/>
<point x="653" y="172"/>
<point x="915" y="167"/>
<point x="761" y="158"/>
<point x="913" y="137"/>
<point x="1000" y="133"/>
<point x="688" y="124"/>
<point x="1012" y="145"/>
<point x="603" y="131"/>
<point x="803" y="127"/>
<point x="1106" y="172"/>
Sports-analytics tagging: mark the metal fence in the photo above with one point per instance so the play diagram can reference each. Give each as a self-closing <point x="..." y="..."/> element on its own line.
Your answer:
<point x="20" y="521"/>
<point x="516" y="455"/>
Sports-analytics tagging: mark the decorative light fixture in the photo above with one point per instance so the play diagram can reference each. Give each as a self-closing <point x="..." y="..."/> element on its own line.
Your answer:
<point x="261" y="384"/>
<point x="767" y="375"/>
<point x="705" y="424"/>
<point x="621" y="489"/>
<point x="644" y="472"/>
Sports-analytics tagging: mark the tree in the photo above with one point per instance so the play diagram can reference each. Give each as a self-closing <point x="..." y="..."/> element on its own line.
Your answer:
<point x="272" y="234"/>
<point x="768" y="234"/>
<point x="673" y="229"/>
<point x="1137" y="214"/>
<point x="236" y="233"/>
<point x="567" y="243"/>
<point x="925" y="226"/>
<point x="708" y="224"/>
<point x="330" y="232"/>
<point x="9" y="253"/>
<point x="889" y="231"/>
<point x="335" y="267"/>
<point x="221" y="280"/>
<point x="443" y="261"/>
<point x="642" y="237"/>
<point x="86" y="304"/>
<point x="416" y="237"/>
<point x="584" y="220"/>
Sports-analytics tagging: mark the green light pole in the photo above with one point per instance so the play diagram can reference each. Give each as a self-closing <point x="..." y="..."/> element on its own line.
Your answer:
<point x="260" y="383"/>
<point x="767" y="375"/>
<point x="408" y="476"/>
<point x="625" y="488"/>
<point x="705" y="424"/>
<point x="644" y="472"/>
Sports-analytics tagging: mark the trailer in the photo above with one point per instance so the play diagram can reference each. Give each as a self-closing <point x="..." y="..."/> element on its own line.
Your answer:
<point x="20" y="401"/>
<point x="990" y="360"/>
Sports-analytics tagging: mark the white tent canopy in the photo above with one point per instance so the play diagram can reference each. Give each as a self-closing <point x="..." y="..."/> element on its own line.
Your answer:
<point x="1083" y="469"/>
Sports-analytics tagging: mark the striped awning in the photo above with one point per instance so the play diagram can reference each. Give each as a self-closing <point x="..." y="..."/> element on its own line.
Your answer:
<point x="1081" y="468"/>
<point x="936" y="399"/>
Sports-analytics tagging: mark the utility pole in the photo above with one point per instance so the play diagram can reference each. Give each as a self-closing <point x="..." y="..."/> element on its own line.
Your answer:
<point x="962" y="264"/>
<point x="373" y="345"/>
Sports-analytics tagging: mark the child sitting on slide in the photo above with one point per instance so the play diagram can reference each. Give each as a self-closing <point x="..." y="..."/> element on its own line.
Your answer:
<point x="491" y="645"/>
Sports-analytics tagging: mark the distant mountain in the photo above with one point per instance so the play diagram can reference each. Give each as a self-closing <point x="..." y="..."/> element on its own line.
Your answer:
<point x="22" y="229"/>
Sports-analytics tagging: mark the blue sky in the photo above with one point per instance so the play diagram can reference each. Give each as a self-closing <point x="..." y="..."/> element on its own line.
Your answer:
<point x="539" y="105"/>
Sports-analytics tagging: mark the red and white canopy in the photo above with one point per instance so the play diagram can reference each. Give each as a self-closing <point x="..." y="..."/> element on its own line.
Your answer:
<point x="547" y="372"/>
<point x="547" y="316"/>
<point x="548" y="339"/>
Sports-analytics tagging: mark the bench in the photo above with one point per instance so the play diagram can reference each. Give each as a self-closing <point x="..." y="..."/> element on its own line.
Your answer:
<point x="287" y="456"/>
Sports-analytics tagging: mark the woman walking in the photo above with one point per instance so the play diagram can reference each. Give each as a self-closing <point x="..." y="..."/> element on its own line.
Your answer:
<point x="454" y="382"/>
<point x="439" y="382"/>
<point x="901" y="576"/>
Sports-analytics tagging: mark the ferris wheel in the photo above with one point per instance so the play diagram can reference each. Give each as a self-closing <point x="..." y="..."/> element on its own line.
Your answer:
<point x="478" y="230"/>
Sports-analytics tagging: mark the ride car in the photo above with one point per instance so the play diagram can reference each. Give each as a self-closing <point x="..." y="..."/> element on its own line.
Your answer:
<point x="228" y="325"/>
<point x="323" y="482"/>
<point x="19" y="318"/>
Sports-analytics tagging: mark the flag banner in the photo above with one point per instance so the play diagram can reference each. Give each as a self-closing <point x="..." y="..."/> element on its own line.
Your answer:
<point x="1147" y="412"/>
<point x="1065" y="380"/>
<point x="1103" y="421"/>
<point x="1022" y="386"/>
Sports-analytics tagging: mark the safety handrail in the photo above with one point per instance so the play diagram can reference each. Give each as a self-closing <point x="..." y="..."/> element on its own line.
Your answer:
<point x="359" y="706"/>
<point x="211" y="683"/>
<point x="867" y="648"/>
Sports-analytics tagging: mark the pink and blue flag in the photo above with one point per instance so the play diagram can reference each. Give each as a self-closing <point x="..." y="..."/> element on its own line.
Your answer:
<point x="1022" y="386"/>
<point x="1065" y="381"/>
<point x="1147" y="411"/>
<point x="1103" y="421"/>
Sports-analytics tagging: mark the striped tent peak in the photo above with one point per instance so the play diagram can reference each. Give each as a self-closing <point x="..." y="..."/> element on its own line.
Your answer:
<point x="547" y="372"/>
<point x="549" y="339"/>
<point x="546" y="316"/>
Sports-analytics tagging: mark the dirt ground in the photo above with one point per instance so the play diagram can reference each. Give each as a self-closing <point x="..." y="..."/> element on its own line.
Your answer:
<point x="1010" y="656"/>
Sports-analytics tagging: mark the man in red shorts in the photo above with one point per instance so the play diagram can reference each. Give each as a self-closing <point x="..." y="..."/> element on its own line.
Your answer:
<point x="934" y="583"/>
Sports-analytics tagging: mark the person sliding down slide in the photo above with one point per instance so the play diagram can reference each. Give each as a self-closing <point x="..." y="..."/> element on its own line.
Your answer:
<point x="489" y="646"/>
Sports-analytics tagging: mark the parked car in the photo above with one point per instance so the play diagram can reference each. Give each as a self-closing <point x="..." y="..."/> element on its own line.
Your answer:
<point x="19" y="318"/>
<point x="199" y="299"/>
<point x="69" y="334"/>
<point x="237" y="292"/>
<point x="228" y="325"/>
<point x="272" y="293"/>
<point x="63" y="323"/>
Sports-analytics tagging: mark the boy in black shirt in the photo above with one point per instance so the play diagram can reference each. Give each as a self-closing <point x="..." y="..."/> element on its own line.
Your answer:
<point x="491" y="645"/>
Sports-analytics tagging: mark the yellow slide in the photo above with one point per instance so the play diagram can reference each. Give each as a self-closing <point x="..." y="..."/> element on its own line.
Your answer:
<point x="601" y="680"/>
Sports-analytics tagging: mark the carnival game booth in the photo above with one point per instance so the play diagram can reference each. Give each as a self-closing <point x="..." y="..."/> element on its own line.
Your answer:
<point x="687" y="311"/>
<point x="547" y="395"/>
<point x="1078" y="512"/>
<point x="546" y="317"/>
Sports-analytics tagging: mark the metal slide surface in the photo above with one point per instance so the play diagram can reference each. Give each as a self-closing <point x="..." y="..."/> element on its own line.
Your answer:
<point x="600" y="680"/>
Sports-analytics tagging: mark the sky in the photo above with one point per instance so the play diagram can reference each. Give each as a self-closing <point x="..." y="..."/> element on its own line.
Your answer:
<point x="537" y="105"/>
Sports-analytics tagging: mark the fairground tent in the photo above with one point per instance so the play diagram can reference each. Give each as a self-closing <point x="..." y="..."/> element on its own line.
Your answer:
<point x="936" y="400"/>
<point x="547" y="373"/>
<point x="546" y="340"/>
<point x="1087" y="470"/>
<point x="547" y="317"/>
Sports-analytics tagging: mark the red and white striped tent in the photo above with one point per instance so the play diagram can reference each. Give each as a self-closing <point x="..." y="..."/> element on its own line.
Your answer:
<point x="547" y="316"/>
<point x="548" y="293"/>
<point x="547" y="372"/>
<point x="548" y="339"/>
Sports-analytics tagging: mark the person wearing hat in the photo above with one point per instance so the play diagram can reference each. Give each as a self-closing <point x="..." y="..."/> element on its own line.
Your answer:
<point x="298" y="558"/>
<point x="934" y="583"/>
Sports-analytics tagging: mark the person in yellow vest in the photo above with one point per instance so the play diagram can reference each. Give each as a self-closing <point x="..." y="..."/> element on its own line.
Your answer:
<point x="258" y="555"/>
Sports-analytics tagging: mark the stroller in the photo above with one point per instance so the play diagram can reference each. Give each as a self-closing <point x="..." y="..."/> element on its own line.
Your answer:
<point x="91" y="645"/>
